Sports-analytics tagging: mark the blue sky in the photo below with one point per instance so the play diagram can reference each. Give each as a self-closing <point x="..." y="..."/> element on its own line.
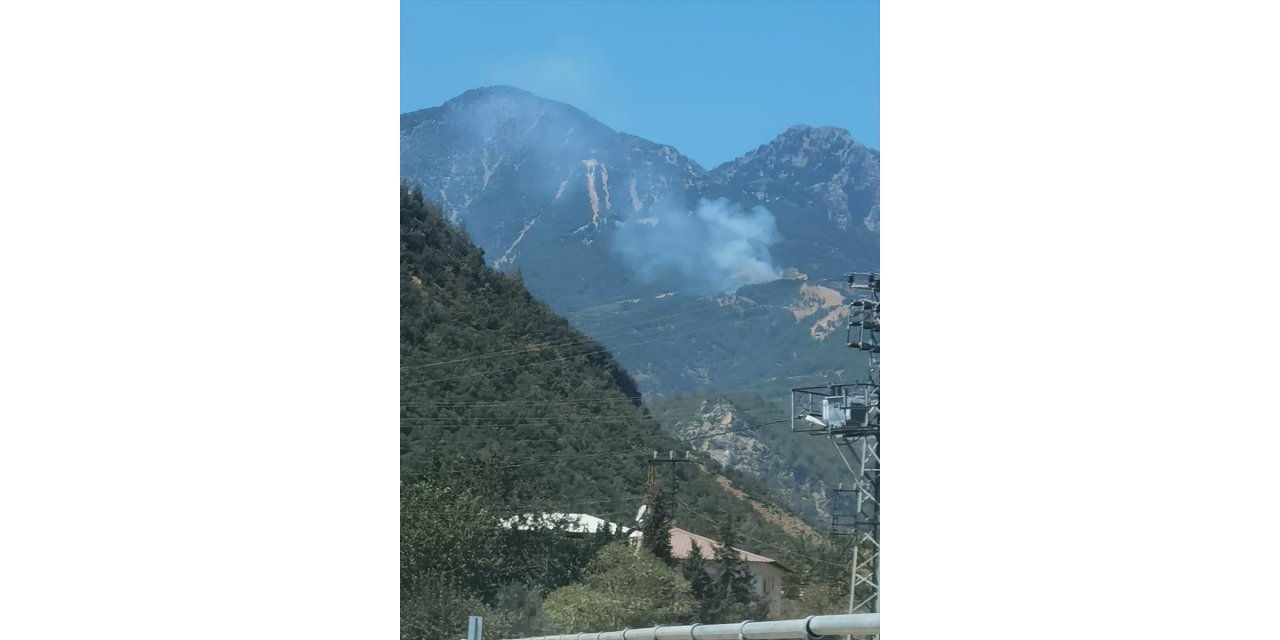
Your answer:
<point x="713" y="78"/>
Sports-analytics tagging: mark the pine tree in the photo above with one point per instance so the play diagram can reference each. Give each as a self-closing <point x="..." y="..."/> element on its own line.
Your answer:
<point x="734" y="597"/>
<point x="703" y="587"/>
<point x="656" y="528"/>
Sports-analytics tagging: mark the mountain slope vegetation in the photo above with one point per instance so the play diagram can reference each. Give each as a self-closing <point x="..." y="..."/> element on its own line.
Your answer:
<point x="508" y="410"/>
<point x="742" y="296"/>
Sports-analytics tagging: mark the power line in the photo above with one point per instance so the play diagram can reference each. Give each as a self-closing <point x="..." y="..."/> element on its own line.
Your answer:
<point x="689" y="291"/>
<point x="586" y="422"/>
<point x="676" y="397"/>
<point x="690" y="394"/>
<point x="447" y="423"/>
<point x="758" y="541"/>
<point x="714" y="306"/>
<point x="563" y="436"/>
<point x="521" y="402"/>
<point x="596" y="455"/>
<point x="516" y="509"/>
<point x="721" y="433"/>
<point x="527" y="464"/>
<point x="502" y="441"/>
<point x="579" y="355"/>
<point x="572" y="341"/>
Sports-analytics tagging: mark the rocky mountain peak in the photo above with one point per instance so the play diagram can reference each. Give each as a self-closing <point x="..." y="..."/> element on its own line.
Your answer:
<point x="496" y="90"/>
<point x="799" y="146"/>
<point x="546" y="188"/>
<point x="825" y="134"/>
<point x="816" y="169"/>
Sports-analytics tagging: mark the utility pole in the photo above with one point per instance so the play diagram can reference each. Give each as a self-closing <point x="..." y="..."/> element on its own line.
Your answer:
<point x="849" y="415"/>
<point x="658" y="489"/>
<point x="864" y="335"/>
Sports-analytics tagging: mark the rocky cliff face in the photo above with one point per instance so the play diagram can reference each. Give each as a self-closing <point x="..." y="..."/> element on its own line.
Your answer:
<point x="789" y="465"/>
<point x="540" y="186"/>
<point x="545" y="188"/>
<point x="819" y="169"/>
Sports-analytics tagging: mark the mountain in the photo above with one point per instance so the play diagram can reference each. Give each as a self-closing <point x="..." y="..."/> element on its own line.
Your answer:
<point x="590" y="214"/>
<point x="823" y="187"/>
<point x="751" y="433"/>
<point x="497" y="391"/>
<point x="700" y="282"/>
<point x="535" y="181"/>
<point x="507" y="410"/>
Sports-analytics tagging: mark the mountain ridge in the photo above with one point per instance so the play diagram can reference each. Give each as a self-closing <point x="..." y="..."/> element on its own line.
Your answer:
<point x="513" y="92"/>
<point x="697" y="281"/>
<point x="493" y="148"/>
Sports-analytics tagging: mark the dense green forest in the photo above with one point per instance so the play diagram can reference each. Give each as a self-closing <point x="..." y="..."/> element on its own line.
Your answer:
<point x="507" y="410"/>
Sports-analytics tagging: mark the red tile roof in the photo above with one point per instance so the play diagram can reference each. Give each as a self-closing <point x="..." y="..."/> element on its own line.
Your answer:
<point x="682" y="545"/>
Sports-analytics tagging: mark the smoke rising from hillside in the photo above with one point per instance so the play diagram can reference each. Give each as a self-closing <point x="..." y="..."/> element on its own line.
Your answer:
<point x="715" y="248"/>
<point x="718" y="247"/>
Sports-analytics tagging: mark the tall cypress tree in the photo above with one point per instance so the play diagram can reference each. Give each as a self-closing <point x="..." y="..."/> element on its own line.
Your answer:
<point x="656" y="528"/>
<point x="734" y="595"/>
<point x="695" y="571"/>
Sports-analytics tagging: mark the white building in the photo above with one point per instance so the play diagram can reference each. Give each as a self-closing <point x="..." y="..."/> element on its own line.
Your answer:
<point x="766" y="571"/>
<point x="580" y="523"/>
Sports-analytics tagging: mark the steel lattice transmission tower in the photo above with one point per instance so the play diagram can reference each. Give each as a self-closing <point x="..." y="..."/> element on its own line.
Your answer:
<point x="849" y="415"/>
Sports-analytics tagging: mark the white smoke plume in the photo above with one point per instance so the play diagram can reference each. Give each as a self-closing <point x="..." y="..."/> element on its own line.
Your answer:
<point x="718" y="247"/>
<point x="715" y="248"/>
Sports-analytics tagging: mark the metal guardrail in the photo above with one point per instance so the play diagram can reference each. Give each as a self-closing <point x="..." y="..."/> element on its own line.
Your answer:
<point x="850" y="624"/>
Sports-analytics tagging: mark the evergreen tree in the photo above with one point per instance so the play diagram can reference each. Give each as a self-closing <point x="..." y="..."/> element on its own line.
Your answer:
<point x="656" y="527"/>
<point x="700" y="581"/>
<point x="733" y="592"/>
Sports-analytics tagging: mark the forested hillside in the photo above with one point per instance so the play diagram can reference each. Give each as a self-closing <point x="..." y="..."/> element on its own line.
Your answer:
<point x="699" y="281"/>
<point x="507" y="410"/>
